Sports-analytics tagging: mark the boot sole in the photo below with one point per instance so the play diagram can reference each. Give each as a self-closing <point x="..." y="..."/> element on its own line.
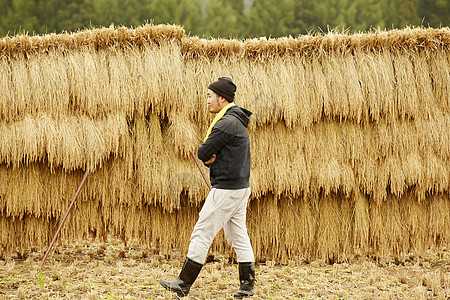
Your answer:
<point x="179" y="293"/>
<point x="240" y="296"/>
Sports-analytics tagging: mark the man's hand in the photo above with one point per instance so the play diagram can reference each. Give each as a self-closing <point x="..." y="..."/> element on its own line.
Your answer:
<point x="211" y="160"/>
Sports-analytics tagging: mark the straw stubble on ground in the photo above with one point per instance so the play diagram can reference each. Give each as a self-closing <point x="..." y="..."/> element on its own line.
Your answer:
<point x="116" y="271"/>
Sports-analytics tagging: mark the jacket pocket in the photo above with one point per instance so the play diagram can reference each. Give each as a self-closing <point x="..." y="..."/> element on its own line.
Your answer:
<point x="216" y="170"/>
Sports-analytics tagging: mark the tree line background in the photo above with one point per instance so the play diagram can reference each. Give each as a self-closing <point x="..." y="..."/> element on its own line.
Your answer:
<point x="222" y="18"/>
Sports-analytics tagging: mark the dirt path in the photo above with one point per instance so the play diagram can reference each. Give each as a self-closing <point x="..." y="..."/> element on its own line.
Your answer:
<point x="114" y="271"/>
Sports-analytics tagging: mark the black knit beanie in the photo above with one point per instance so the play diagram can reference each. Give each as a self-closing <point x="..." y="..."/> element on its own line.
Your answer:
<point x="224" y="87"/>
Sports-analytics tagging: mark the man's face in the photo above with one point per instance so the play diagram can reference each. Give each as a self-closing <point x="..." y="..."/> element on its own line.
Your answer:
<point x="215" y="102"/>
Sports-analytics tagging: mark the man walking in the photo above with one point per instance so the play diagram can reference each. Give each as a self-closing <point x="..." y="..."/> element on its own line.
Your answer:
<point x="226" y="151"/>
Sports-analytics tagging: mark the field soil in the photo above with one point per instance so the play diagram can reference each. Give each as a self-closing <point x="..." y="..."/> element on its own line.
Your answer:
<point x="114" y="270"/>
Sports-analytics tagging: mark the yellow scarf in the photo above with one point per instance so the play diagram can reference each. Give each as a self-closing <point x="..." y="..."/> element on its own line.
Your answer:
<point x="217" y="118"/>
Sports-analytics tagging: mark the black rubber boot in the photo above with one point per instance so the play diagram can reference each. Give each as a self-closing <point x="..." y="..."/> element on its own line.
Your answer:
<point x="187" y="276"/>
<point x="247" y="280"/>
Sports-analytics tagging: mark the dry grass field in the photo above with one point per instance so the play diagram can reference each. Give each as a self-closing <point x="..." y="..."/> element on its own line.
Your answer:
<point x="114" y="270"/>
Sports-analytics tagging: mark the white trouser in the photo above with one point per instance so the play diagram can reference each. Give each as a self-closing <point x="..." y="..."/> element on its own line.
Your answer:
<point x="225" y="209"/>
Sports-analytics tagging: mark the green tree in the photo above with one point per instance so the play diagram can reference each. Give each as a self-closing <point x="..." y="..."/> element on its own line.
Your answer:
<point x="304" y="17"/>
<point x="401" y="13"/>
<point x="73" y="15"/>
<point x="105" y="12"/>
<point x="43" y="16"/>
<point x="354" y="16"/>
<point x="182" y="12"/>
<point x="331" y="14"/>
<point x="18" y="16"/>
<point x="270" y="18"/>
<point x="435" y="13"/>
<point x="118" y="12"/>
<point x="369" y="14"/>
<point x="224" y="18"/>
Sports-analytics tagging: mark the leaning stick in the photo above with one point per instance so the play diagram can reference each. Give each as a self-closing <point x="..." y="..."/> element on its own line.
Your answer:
<point x="200" y="169"/>
<point x="64" y="219"/>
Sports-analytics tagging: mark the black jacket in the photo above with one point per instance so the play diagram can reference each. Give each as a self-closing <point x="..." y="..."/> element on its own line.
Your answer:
<point x="229" y="141"/>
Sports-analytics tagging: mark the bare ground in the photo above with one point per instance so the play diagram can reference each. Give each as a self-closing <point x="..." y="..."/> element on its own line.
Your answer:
<point x="115" y="271"/>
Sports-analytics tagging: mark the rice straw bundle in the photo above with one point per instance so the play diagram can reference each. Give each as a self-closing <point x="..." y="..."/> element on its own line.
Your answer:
<point x="350" y="138"/>
<point x="90" y="85"/>
<point x="182" y="134"/>
<point x="361" y="224"/>
<point x="440" y="75"/>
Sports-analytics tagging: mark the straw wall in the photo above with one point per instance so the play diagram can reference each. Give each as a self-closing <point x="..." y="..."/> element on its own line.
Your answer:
<point x="350" y="139"/>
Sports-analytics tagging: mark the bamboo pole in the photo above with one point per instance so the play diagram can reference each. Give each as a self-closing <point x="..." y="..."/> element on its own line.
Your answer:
<point x="64" y="219"/>
<point x="200" y="169"/>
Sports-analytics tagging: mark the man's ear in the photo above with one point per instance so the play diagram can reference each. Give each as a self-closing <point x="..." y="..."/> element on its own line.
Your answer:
<point x="222" y="99"/>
